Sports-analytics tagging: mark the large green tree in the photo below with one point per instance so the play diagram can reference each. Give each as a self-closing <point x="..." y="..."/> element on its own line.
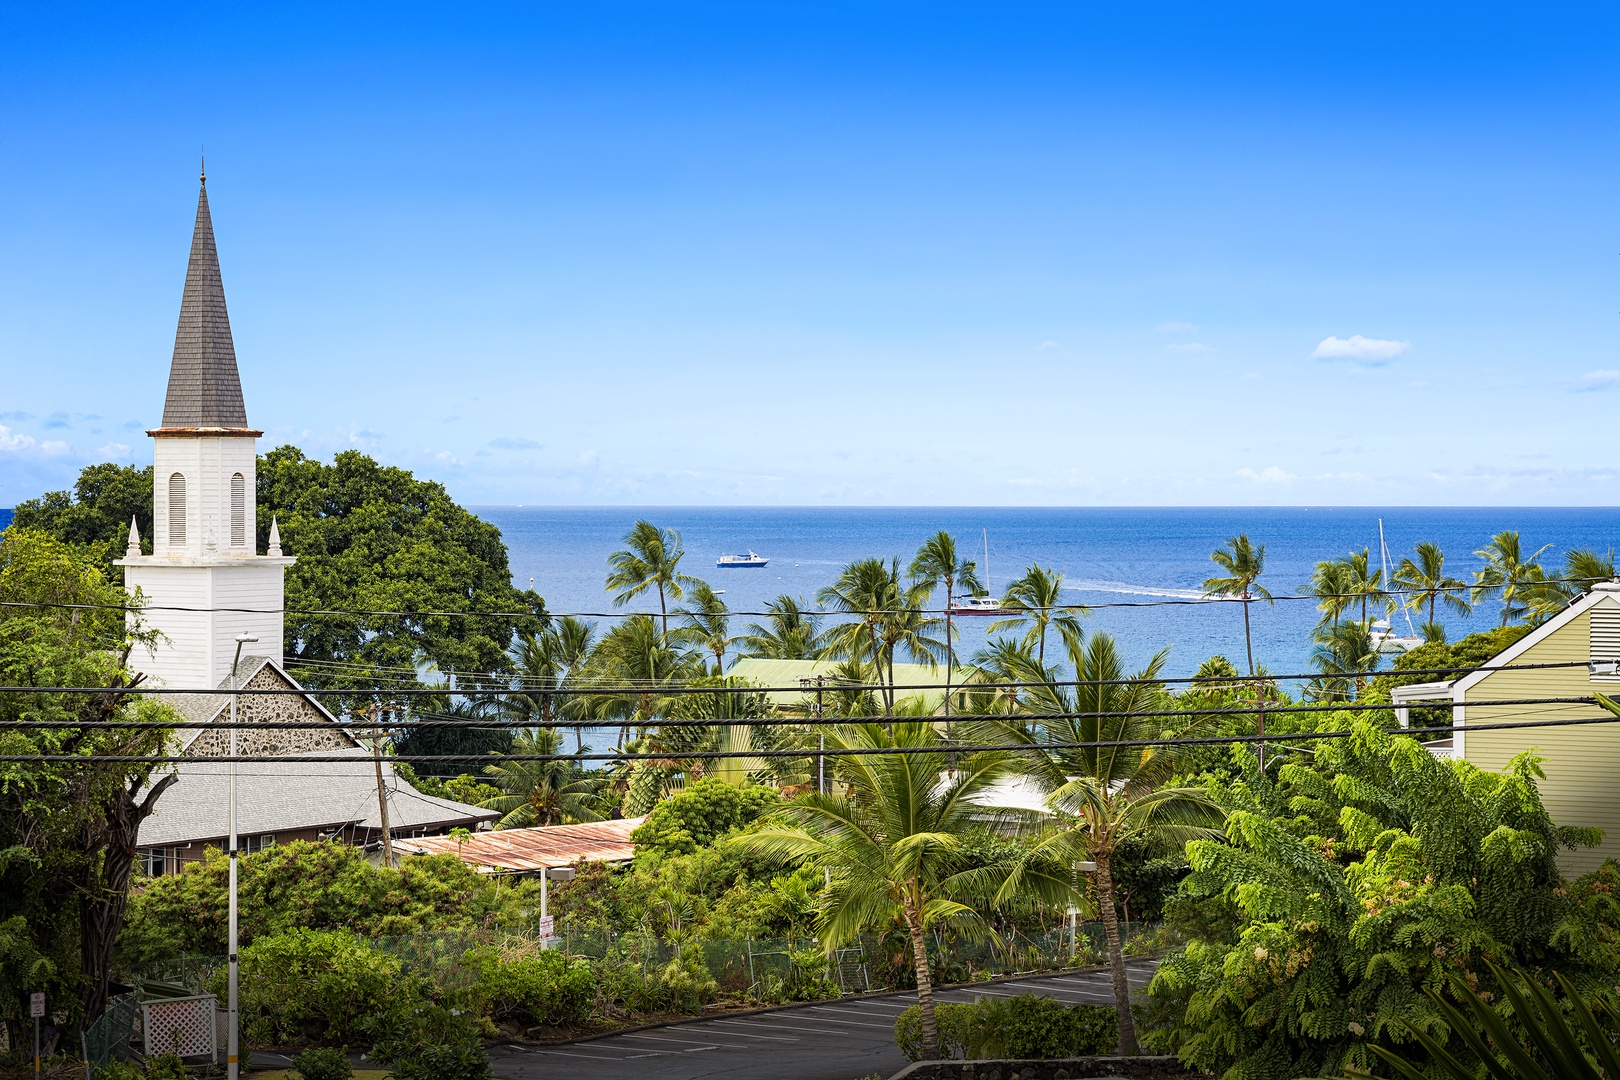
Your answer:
<point x="368" y="538"/>
<point x="68" y="829"/>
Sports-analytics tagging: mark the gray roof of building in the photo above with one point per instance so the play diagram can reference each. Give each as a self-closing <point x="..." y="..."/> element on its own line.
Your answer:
<point x="205" y="389"/>
<point x="291" y="795"/>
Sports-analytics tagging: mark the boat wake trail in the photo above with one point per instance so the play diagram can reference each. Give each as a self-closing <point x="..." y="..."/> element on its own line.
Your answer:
<point x="1128" y="589"/>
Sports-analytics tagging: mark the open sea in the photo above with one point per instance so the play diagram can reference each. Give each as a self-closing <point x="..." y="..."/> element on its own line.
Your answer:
<point x="1107" y="556"/>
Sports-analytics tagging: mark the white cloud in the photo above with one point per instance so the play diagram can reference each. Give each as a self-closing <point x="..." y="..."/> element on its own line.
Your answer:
<point x="1271" y="474"/>
<point x="12" y="442"/>
<point x="1175" y="328"/>
<point x="114" y="450"/>
<point x="54" y="446"/>
<point x="1363" y="350"/>
<point x="1601" y="379"/>
<point x="1187" y="346"/>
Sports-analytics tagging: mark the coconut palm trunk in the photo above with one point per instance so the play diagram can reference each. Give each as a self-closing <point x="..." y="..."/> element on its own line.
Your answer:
<point x="925" y="982"/>
<point x="1259" y="691"/>
<point x="1116" y="954"/>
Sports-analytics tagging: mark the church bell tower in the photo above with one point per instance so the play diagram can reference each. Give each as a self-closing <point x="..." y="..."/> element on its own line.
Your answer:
<point x="205" y="582"/>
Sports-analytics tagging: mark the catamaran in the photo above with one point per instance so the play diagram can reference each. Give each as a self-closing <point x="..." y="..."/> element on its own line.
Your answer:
<point x="740" y="562"/>
<point x="987" y="604"/>
<point x="1384" y="638"/>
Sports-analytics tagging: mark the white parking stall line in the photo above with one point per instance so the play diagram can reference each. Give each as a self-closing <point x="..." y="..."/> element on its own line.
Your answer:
<point x="788" y="1027"/>
<point x="581" y="1057"/>
<point x="856" y="1023"/>
<point x="746" y="1035"/>
<point x="688" y="1042"/>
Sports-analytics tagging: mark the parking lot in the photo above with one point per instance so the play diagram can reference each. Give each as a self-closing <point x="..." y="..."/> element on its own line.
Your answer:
<point x="835" y="1040"/>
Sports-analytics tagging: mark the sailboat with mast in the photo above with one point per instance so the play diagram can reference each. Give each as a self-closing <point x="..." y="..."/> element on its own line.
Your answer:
<point x="986" y="603"/>
<point x="1384" y="638"/>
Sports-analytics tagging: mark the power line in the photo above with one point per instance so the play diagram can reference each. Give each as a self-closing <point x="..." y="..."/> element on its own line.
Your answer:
<point x="678" y="688"/>
<point x="440" y="720"/>
<point x="816" y="613"/>
<point x="942" y="751"/>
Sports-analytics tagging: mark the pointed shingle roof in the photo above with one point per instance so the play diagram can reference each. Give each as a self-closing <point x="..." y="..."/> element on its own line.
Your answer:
<point x="205" y="390"/>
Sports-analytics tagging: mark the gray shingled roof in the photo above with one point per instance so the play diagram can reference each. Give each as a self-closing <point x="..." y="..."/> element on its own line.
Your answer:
<point x="293" y="794"/>
<point x="205" y="390"/>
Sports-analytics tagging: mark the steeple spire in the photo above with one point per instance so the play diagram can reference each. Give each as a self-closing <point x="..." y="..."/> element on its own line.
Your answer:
<point x="205" y="390"/>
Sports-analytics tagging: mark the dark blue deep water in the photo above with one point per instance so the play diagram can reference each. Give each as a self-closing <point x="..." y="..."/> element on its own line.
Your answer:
<point x="1108" y="555"/>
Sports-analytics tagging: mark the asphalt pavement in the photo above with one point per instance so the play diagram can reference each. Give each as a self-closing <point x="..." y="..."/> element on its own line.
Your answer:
<point x="827" y="1040"/>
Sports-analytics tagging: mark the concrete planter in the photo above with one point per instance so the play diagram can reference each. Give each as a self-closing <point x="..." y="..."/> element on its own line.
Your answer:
<point x="1130" y="1068"/>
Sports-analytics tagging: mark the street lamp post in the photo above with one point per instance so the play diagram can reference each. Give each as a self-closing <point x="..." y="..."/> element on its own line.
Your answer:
<point x="232" y="1066"/>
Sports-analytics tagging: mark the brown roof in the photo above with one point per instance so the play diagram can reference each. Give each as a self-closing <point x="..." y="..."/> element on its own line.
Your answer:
<point x="520" y="851"/>
<point x="205" y="390"/>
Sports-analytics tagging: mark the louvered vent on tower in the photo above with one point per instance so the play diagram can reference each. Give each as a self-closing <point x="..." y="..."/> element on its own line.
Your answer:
<point x="1605" y="642"/>
<point x="177" y="510"/>
<point x="238" y="511"/>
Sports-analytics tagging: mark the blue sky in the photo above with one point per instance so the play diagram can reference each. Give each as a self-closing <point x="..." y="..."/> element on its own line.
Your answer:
<point x="750" y="253"/>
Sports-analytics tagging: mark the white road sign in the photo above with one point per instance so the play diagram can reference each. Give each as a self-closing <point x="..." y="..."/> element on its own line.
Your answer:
<point x="36" y="1004"/>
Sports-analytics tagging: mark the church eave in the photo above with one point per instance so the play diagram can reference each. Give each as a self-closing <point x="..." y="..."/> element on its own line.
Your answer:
<point x="204" y="433"/>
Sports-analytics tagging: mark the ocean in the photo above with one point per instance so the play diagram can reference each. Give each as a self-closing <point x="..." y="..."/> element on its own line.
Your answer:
<point x="1107" y="556"/>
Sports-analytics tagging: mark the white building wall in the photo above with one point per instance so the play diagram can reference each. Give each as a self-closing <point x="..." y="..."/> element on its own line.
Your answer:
<point x="208" y="464"/>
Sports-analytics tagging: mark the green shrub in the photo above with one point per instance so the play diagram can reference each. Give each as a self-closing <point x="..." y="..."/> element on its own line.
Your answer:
<point x="538" y="988"/>
<point x="331" y="1063"/>
<point x="680" y="986"/>
<point x="427" y="1041"/>
<point x="166" y="1067"/>
<point x="1019" y="1028"/>
<point x="119" y="1070"/>
<point x="703" y="813"/>
<point x="314" y="985"/>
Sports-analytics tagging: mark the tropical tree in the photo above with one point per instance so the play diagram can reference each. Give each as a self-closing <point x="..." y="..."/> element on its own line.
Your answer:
<point x="892" y="839"/>
<point x="1102" y="797"/>
<point x="936" y="564"/>
<point x="790" y="632"/>
<point x="1344" y="655"/>
<point x="542" y="792"/>
<point x="1507" y="573"/>
<point x="637" y="673"/>
<point x="1330" y="584"/>
<point x="1363" y="585"/>
<point x="1584" y="568"/>
<point x="545" y="666"/>
<point x="887" y="617"/>
<point x="1243" y="563"/>
<point x="1425" y="578"/>
<point x="650" y="560"/>
<point x="707" y="624"/>
<point x="1037" y="597"/>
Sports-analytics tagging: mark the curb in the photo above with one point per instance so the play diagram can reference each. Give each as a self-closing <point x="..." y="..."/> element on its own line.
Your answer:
<point x="873" y="995"/>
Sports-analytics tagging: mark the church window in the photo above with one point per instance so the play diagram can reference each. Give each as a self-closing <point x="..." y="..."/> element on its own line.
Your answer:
<point x="238" y="510"/>
<point x="177" y="510"/>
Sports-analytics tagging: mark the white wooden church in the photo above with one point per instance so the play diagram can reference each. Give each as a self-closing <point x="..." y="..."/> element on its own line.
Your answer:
<point x="204" y="585"/>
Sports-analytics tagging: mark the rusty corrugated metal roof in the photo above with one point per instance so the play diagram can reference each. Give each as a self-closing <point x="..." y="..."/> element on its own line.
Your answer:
<point x="522" y="851"/>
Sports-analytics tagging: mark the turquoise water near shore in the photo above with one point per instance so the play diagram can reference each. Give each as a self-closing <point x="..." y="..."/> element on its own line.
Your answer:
<point x="1108" y="556"/>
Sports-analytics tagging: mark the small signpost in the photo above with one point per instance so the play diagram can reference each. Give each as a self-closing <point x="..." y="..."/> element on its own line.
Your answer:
<point x="36" y="1009"/>
<point x="547" y="926"/>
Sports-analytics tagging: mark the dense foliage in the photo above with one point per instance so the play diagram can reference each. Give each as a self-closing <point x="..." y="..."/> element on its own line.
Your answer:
<point x="1024" y="1026"/>
<point x="708" y="811"/>
<point x="1358" y="880"/>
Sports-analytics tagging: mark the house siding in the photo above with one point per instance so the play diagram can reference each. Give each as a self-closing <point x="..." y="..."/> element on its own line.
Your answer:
<point x="1582" y="763"/>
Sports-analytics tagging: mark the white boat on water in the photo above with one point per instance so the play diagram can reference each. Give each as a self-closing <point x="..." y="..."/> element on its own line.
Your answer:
<point x="1384" y="638"/>
<point x="980" y="605"/>
<point x="740" y="562"/>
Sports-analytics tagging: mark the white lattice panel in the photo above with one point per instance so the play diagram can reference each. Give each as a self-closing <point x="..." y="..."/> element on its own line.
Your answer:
<point x="183" y="1026"/>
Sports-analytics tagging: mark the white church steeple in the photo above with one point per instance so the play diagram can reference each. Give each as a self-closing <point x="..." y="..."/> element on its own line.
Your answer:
<point x="204" y="582"/>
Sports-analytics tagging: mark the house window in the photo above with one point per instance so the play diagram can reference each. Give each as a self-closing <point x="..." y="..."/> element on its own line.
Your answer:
<point x="251" y="844"/>
<point x="177" y="510"/>
<point x="238" y="511"/>
<point x="154" y="862"/>
<point x="1605" y="643"/>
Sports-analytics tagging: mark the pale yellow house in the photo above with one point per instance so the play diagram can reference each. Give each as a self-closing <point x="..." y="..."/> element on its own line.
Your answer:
<point x="1551" y="674"/>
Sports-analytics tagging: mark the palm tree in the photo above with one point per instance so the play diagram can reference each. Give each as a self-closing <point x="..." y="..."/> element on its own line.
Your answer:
<point x="637" y="672"/>
<point x="937" y="564"/>
<point x="1507" y="572"/>
<point x="1343" y="654"/>
<point x="1243" y="563"/>
<point x="541" y="792"/>
<point x="1102" y="797"/>
<point x="790" y="632"/>
<point x="546" y="663"/>
<point x="888" y="618"/>
<point x="1584" y="568"/>
<point x="1330" y="584"/>
<point x="1361" y="582"/>
<point x="892" y="841"/>
<point x="1038" y="598"/>
<point x="651" y="559"/>
<point x="1426" y="579"/>
<point x="708" y="624"/>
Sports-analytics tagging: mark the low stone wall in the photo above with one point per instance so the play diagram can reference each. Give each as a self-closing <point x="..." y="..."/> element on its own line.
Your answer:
<point x="1132" y="1068"/>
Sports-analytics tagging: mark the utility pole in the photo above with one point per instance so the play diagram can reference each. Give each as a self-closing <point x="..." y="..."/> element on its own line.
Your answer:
<point x="382" y="790"/>
<point x="232" y="1066"/>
